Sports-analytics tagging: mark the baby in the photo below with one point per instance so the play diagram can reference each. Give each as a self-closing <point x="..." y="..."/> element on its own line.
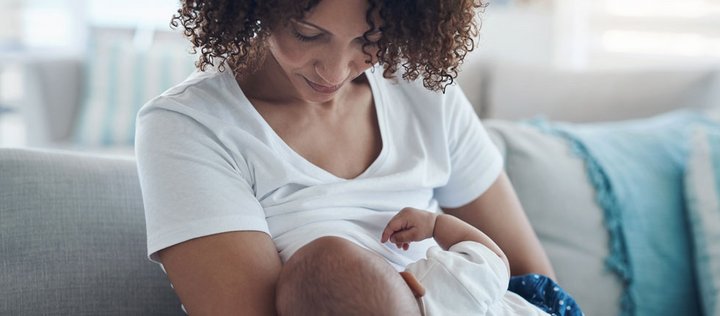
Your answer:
<point x="468" y="276"/>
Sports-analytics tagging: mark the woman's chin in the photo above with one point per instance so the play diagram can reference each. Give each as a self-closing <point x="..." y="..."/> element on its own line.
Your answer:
<point x="311" y="95"/>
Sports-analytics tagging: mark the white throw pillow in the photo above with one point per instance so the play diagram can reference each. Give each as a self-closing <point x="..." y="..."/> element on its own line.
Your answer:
<point x="560" y="202"/>
<point x="702" y="194"/>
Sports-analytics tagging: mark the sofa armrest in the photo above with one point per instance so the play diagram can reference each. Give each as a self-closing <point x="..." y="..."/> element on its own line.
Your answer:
<point x="72" y="238"/>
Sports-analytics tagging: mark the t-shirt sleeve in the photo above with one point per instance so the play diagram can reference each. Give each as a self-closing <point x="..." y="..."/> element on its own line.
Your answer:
<point x="466" y="277"/>
<point x="191" y="184"/>
<point x="475" y="161"/>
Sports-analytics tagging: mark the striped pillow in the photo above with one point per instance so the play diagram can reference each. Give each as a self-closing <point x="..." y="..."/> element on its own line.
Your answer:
<point x="120" y="79"/>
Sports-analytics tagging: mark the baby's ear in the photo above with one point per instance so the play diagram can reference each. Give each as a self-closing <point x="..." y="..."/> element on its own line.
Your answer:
<point x="417" y="288"/>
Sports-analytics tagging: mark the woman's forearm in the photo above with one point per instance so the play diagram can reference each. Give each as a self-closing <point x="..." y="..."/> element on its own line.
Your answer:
<point x="231" y="273"/>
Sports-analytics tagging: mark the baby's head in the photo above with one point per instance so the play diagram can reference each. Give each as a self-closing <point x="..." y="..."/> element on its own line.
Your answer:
<point x="333" y="276"/>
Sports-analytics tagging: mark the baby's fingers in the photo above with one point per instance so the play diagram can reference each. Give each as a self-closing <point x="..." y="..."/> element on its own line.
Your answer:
<point x="405" y="236"/>
<point x="387" y="233"/>
<point x="394" y="226"/>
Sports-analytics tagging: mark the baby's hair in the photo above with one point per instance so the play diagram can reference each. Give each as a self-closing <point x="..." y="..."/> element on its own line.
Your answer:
<point x="329" y="282"/>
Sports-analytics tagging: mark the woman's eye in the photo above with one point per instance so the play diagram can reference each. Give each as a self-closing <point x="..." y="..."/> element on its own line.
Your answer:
<point x="305" y="38"/>
<point x="370" y="42"/>
<point x="373" y="39"/>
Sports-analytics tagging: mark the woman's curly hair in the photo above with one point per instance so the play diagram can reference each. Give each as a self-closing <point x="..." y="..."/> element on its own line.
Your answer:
<point x="427" y="38"/>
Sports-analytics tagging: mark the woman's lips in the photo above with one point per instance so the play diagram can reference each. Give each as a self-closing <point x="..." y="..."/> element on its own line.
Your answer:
<point x="321" y="88"/>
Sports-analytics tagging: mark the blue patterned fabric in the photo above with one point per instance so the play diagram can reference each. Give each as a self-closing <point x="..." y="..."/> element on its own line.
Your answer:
<point x="637" y="169"/>
<point x="544" y="293"/>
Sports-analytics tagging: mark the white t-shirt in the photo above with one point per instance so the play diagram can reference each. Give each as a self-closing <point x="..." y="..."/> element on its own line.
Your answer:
<point x="468" y="279"/>
<point x="209" y="163"/>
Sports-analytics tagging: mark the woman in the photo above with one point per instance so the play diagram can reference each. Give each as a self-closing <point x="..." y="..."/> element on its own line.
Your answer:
<point x="304" y="121"/>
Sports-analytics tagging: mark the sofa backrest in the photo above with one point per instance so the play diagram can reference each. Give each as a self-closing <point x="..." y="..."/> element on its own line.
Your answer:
<point x="501" y="90"/>
<point x="72" y="238"/>
<point x="72" y="229"/>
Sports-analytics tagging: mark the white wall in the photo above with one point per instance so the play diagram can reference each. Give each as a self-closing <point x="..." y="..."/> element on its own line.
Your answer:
<point x="602" y="34"/>
<point x="522" y="35"/>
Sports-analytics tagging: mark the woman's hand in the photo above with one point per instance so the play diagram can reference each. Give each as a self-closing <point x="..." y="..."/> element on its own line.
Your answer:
<point x="409" y="225"/>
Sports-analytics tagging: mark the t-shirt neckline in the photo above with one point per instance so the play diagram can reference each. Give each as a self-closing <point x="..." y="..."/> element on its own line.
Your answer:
<point x="297" y="160"/>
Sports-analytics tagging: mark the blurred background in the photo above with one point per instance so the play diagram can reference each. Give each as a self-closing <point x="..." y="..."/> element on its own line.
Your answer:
<point x="74" y="72"/>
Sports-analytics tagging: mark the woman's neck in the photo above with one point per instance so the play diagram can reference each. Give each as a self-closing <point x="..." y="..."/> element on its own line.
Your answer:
<point x="268" y="84"/>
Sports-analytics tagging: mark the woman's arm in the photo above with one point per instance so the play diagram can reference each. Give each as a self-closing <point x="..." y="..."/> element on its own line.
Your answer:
<point x="498" y="213"/>
<point x="225" y="274"/>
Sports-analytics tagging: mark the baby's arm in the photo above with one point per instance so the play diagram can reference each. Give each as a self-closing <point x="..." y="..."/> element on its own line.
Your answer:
<point x="415" y="225"/>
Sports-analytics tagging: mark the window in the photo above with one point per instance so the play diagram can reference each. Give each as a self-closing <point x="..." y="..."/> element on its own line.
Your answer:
<point x="617" y="33"/>
<point x="62" y="24"/>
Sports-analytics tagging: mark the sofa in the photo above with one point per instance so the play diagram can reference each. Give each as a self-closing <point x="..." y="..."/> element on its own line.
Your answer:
<point x="72" y="238"/>
<point x="72" y="234"/>
<point x="73" y="231"/>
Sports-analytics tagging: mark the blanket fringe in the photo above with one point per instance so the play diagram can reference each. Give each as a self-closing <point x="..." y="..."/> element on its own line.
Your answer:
<point x="618" y="261"/>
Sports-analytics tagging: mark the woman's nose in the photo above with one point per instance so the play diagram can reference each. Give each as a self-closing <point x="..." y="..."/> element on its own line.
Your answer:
<point x="335" y="67"/>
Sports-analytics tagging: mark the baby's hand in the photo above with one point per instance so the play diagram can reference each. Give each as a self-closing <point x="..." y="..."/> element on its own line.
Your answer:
<point x="409" y="225"/>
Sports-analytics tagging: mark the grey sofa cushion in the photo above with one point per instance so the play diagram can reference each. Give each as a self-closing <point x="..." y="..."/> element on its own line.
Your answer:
<point x="560" y="202"/>
<point x="515" y="91"/>
<point x="72" y="238"/>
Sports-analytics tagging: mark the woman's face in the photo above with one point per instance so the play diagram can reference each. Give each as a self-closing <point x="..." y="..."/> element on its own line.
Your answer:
<point x="323" y="52"/>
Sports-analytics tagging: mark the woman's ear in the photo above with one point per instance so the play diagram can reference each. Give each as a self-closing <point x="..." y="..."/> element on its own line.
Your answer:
<point x="413" y="283"/>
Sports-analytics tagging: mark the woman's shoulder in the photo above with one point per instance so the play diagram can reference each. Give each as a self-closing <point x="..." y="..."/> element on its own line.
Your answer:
<point x="203" y="96"/>
<point x="405" y="96"/>
<point x="413" y="89"/>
